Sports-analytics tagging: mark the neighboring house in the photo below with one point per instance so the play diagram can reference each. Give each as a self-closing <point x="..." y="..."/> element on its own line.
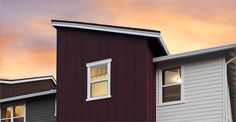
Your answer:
<point x="193" y="86"/>
<point x="28" y="100"/>
<point x="111" y="73"/>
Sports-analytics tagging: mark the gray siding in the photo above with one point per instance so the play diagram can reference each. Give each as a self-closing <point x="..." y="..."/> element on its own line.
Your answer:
<point x="41" y="109"/>
<point x="232" y="82"/>
<point x="203" y="91"/>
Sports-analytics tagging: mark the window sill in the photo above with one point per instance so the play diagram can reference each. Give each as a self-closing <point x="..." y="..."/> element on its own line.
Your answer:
<point x="171" y="103"/>
<point x="98" y="98"/>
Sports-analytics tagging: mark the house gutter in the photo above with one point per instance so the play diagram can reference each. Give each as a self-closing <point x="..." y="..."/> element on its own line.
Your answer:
<point x="228" y="116"/>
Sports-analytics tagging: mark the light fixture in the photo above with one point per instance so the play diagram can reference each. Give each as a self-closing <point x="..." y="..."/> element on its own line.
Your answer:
<point x="178" y="80"/>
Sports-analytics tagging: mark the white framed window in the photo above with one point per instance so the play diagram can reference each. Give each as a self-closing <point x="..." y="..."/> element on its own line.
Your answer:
<point x="171" y="86"/>
<point x="99" y="80"/>
<point x="15" y="113"/>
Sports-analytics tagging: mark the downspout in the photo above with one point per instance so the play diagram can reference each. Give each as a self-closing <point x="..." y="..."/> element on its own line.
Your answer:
<point x="228" y="103"/>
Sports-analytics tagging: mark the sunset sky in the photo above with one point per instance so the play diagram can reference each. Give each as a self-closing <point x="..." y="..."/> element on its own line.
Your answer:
<point x="28" y="42"/>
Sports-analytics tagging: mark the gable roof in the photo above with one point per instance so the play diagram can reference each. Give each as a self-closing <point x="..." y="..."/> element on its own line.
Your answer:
<point x="11" y="90"/>
<point x="195" y="53"/>
<point x="112" y="28"/>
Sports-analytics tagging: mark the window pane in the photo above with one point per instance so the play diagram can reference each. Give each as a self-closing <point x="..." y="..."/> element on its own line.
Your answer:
<point x="99" y="89"/>
<point x="6" y="112"/>
<point x="171" y="93"/>
<point x="19" y="119"/>
<point x="19" y="111"/>
<point x="171" y="76"/>
<point x="7" y="120"/>
<point x="99" y="73"/>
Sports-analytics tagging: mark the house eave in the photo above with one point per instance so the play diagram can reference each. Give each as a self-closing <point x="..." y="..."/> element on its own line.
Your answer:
<point x="29" y="80"/>
<point x="194" y="53"/>
<point x="113" y="29"/>
<point x="20" y="97"/>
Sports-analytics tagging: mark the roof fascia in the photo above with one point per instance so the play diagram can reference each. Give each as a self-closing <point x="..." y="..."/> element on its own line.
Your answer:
<point x="105" y="28"/>
<point x="28" y="96"/>
<point x="194" y="53"/>
<point x="29" y="80"/>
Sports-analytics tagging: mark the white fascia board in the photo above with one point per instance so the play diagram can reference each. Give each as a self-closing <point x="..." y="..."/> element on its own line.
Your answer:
<point x="164" y="45"/>
<point x="28" y="96"/>
<point x="106" y="29"/>
<point x="111" y="29"/>
<point x="29" y="80"/>
<point x="194" y="53"/>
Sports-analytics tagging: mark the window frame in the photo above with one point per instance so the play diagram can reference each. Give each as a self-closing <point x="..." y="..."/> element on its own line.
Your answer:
<point x="12" y="113"/>
<point x="182" y="98"/>
<point x="89" y="82"/>
<point x="55" y="110"/>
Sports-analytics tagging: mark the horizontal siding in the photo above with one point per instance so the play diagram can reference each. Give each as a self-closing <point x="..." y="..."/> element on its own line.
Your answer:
<point x="41" y="109"/>
<point x="203" y="86"/>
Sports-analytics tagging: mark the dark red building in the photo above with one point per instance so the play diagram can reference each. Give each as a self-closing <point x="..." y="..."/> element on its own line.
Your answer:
<point x="106" y="73"/>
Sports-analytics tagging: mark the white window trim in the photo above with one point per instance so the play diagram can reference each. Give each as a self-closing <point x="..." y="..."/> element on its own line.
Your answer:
<point x="160" y="86"/>
<point x="55" y="114"/>
<point x="97" y="63"/>
<point x="12" y="114"/>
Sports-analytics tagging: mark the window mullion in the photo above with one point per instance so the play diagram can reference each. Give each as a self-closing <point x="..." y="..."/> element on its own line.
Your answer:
<point x="97" y="81"/>
<point x="171" y="85"/>
<point x="12" y="114"/>
<point x="18" y="117"/>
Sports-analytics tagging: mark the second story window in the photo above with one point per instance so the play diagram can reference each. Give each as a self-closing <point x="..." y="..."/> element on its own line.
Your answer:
<point x="98" y="80"/>
<point x="171" y="86"/>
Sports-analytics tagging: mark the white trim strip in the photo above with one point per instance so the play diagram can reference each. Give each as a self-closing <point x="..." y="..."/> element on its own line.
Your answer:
<point x="28" y="96"/>
<point x="106" y="29"/>
<point x="29" y="80"/>
<point x="100" y="62"/>
<point x="231" y="60"/>
<point x="164" y="45"/>
<point x="194" y="53"/>
<point x="98" y="98"/>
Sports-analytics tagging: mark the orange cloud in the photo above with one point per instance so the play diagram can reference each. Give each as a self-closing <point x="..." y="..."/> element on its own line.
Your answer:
<point x="28" y="65"/>
<point x="42" y="26"/>
<point x="19" y="59"/>
<point x="192" y="24"/>
<point x="27" y="39"/>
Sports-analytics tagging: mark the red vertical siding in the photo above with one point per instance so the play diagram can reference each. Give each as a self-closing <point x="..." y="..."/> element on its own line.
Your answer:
<point x="132" y="76"/>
